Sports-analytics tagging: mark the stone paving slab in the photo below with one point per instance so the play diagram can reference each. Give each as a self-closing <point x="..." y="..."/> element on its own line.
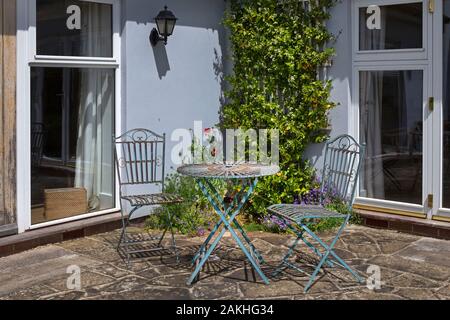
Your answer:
<point x="411" y="268"/>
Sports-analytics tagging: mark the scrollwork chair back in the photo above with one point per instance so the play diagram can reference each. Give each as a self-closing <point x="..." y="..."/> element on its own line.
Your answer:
<point x="343" y="161"/>
<point x="140" y="157"/>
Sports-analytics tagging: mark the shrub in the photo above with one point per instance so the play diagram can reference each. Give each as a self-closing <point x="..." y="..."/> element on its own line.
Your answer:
<point x="278" y="48"/>
<point x="314" y="196"/>
<point x="194" y="216"/>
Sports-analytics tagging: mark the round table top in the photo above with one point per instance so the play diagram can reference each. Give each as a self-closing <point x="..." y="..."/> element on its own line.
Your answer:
<point x="224" y="171"/>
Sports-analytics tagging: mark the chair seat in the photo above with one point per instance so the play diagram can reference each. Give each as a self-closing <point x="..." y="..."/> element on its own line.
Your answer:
<point x="153" y="199"/>
<point x="297" y="213"/>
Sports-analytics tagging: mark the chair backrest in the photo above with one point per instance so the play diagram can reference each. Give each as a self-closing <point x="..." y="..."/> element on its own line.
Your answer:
<point x="37" y="143"/>
<point x="140" y="157"/>
<point x="342" y="165"/>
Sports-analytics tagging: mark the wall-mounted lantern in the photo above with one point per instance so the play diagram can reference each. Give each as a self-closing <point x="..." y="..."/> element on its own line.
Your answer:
<point x="165" y="22"/>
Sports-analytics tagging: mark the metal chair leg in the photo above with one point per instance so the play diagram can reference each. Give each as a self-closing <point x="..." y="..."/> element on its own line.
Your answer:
<point x="174" y="244"/>
<point x="329" y="251"/>
<point x="123" y="237"/>
<point x="284" y="261"/>
<point x="324" y="258"/>
<point x="122" y="232"/>
<point x="162" y="237"/>
<point x="286" y="257"/>
<point x="339" y="260"/>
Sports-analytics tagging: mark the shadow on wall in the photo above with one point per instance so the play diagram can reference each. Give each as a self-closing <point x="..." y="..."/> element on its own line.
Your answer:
<point x="161" y="59"/>
<point x="341" y="75"/>
<point x="200" y="14"/>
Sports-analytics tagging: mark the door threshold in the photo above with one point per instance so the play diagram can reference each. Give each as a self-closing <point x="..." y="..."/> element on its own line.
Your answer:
<point x="412" y="225"/>
<point x="63" y="232"/>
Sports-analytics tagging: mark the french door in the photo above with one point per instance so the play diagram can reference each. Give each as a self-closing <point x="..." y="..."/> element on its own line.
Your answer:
<point x="441" y="113"/>
<point x="401" y="103"/>
<point x="69" y="73"/>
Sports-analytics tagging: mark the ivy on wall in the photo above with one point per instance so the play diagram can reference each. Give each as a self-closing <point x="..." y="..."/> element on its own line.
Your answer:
<point x="280" y="48"/>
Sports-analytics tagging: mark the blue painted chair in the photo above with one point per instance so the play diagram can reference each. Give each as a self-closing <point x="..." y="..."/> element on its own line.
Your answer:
<point x="343" y="159"/>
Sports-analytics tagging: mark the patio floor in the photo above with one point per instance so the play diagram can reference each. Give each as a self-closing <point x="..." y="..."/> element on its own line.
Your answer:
<point x="411" y="268"/>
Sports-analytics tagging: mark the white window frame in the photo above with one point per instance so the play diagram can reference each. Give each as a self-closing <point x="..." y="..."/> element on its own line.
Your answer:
<point x="354" y="125"/>
<point x="401" y="59"/>
<point x="440" y="213"/>
<point x="388" y="54"/>
<point x="27" y="58"/>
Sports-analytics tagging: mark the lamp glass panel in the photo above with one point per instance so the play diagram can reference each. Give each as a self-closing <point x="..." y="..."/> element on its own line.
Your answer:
<point x="161" y="24"/>
<point x="170" y="26"/>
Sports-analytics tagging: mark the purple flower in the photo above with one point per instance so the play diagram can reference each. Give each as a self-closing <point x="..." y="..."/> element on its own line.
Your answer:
<point x="201" y="232"/>
<point x="275" y="222"/>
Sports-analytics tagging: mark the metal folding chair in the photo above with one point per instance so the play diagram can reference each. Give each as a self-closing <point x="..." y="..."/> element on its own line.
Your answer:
<point x="140" y="161"/>
<point x="343" y="159"/>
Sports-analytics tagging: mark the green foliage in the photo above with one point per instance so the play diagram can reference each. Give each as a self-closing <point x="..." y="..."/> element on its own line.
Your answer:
<point x="333" y="223"/>
<point x="278" y="49"/>
<point x="192" y="217"/>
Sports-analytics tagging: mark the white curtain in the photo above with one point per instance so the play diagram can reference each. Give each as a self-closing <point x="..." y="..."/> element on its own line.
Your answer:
<point x="96" y="109"/>
<point x="371" y="108"/>
<point x="371" y="124"/>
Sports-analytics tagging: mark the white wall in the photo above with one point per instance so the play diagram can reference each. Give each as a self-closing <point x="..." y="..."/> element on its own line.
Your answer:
<point x="169" y="87"/>
<point x="341" y="75"/>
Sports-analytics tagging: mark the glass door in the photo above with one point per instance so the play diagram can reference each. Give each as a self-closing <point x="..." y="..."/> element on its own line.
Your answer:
<point x="72" y="108"/>
<point x="441" y="133"/>
<point x="392" y="64"/>
<point x="392" y="127"/>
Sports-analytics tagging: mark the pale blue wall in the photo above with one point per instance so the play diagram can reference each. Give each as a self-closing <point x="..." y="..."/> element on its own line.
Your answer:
<point x="171" y="86"/>
<point x="341" y="75"/>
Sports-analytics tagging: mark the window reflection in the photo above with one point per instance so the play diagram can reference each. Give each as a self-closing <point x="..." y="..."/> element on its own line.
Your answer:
<point x="446" y="104"/>
<point x="84" y="33"/>
<point x="392" y="127"/>
<point x="400" y="27"/>
<point x="72" y="124"/>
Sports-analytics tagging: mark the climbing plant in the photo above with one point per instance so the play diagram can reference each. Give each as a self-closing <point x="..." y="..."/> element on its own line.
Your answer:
<point x="279" y="51"/>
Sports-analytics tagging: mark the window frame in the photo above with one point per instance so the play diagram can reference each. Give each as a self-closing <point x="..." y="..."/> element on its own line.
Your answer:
<point x="415" y="210"/>
<point x="400" y="59"/>
<point x="388" y="54"/>
<point x="26" y="59"/>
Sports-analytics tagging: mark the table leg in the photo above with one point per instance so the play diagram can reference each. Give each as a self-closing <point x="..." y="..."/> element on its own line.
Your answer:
<point x="236" y="223"/>
<point x="224" y="214"/>
<point x="217" y="200"/>
<point x="247" y="239"/>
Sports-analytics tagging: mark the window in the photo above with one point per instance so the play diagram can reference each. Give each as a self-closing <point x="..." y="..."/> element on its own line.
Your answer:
<point x="391" y="126"/>
<point x="73" y="96"/>
<point x="399" y="27"/>
<point x="73" y="28"/>
<point x="390" y="30"/>
<point x="391" y="87"/>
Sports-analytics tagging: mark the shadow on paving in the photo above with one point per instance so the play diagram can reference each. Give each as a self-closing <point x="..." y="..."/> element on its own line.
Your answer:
<point x="411" y="267"/>
<point x="228" y="264"/>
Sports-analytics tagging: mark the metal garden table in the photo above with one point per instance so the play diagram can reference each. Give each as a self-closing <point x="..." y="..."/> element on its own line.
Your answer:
<point x="245" y="177"/>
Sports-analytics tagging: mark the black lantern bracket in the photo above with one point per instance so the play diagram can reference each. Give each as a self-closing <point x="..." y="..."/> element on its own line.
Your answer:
<point x="165" y="23"/>
<point x="155" y="37"/>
